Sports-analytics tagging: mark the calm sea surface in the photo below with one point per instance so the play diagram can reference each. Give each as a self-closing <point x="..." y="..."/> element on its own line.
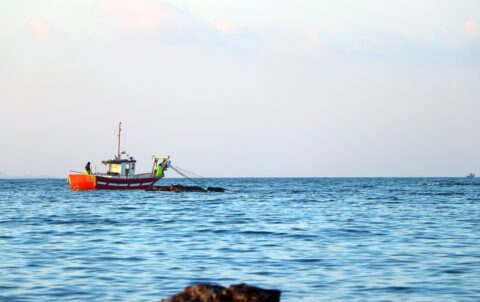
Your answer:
<point x="316" y="239"/>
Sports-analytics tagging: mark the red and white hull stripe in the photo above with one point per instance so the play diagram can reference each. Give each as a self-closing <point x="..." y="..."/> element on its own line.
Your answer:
<point x="111" y="183"/>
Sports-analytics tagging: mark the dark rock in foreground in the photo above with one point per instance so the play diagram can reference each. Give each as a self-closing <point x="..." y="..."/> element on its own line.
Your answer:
<point x="216" y="293"/>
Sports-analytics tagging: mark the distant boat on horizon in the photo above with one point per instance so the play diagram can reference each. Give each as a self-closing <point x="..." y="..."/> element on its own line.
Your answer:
<point x="470" y="175"/>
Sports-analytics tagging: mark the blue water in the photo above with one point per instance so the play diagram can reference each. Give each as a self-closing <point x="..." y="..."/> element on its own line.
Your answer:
<point x="324" y="239"/>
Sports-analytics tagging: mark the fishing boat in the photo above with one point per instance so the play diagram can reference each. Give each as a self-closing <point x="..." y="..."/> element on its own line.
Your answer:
<point x="470" y="175"/>
<point x="120" y="174"/>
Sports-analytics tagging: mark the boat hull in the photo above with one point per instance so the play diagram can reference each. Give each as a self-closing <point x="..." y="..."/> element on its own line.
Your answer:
<point x="83" y="182"/>
<point x="123" y="183"/>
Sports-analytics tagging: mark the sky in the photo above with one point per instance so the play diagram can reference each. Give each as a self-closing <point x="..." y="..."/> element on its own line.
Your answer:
<point x="230" y="88"/>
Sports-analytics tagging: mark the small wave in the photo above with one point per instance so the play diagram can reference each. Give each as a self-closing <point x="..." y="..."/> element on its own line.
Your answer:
<point x="355" y="231"/>
<point x="436" y="194"/>
<point x="127" y="208"/>
<point x="392" y="289"/>
<point x="449" y="184"/>
<point x="454" y="271"/>
<point x="260" y="233"/>
<point x="308" y="260"/>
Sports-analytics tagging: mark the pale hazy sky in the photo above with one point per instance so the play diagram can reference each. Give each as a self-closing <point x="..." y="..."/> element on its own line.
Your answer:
<point x="242" y="88"/>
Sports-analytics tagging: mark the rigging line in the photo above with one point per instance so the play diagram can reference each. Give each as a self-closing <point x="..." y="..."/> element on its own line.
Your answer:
<point x="194" y="174"/>
<point x="186" y="171"/>
<point x="189" y="174"/>
<point x="205" y="181"/>
<point x="174" y="169"/>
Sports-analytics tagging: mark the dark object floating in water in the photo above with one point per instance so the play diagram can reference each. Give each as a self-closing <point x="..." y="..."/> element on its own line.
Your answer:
<point x="470" y="175"/>
<point x="215" y="189"/>
<point x="216" y="293"/>
<point x="181" y="188"/>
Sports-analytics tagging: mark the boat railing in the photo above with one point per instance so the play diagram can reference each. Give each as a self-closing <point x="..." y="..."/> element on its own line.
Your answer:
<point x="144" y="175"/>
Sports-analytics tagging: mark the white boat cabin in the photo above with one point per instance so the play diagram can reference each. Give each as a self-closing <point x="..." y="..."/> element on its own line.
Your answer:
<point x="120" y="167"/>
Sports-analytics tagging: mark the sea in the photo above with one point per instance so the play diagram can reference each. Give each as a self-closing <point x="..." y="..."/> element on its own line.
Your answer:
<point x="315" y="239"/>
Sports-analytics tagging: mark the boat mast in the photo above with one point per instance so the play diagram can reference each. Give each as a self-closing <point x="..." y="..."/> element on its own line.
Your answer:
<point x="119" y="130"/>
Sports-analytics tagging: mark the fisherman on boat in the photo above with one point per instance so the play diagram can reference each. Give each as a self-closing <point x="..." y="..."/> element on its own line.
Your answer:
<point x="87" y="170"/>
<point x="160" y="169"/>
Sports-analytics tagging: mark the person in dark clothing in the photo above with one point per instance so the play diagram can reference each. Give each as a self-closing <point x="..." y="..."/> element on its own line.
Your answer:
<point x="88" y="170"/>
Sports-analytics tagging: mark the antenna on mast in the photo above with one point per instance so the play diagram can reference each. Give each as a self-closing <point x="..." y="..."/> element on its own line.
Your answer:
<point x="119" y="130"/>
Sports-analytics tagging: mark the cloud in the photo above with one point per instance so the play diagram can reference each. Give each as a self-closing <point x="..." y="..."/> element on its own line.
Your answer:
<point x="312" y="36"/>
<point x="141" y="15"/>
<point x="471" y="28"/>
<point x="41" y="30"/>
<point x="226" y="26"/>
